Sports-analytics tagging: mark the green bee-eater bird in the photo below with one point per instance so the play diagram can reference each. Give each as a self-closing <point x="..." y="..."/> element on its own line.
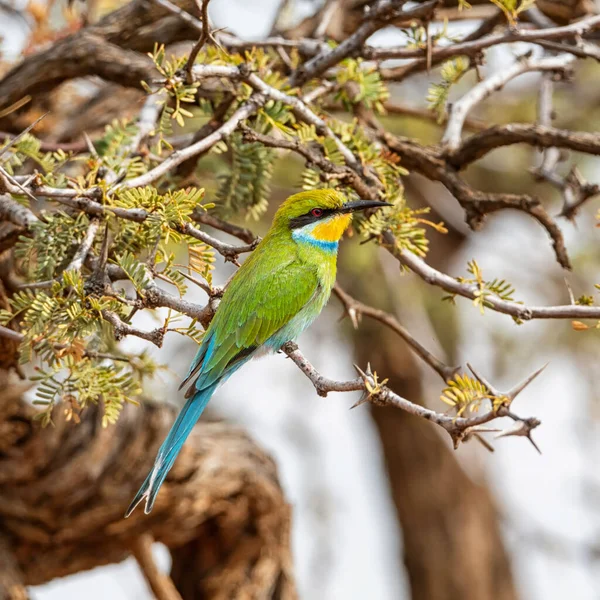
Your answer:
<point x="274" y="296"/>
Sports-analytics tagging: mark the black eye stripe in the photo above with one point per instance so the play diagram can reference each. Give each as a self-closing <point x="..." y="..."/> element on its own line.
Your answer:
<point x="308" y="218"/>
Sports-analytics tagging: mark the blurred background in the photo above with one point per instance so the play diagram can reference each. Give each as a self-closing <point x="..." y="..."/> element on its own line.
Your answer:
<point x="381" y="502"/>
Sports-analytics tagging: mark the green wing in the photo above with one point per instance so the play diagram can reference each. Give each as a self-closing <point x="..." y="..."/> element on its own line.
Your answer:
<point x="259" y="300"/>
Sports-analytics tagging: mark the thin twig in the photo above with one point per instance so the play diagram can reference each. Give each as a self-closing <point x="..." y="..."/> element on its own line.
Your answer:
<point x="182" y="14"/>
<point x="204" y="37"/>
<point x="122" y="329"/>
<point x="381" y="14"/>
<point x="474" y="47"/>
<point x="497" y="136"/>
<point x="229" y="252"/>
<point x="25" y="131"/>
<point x="242" y="233"/>
<point x="354" y="308"/>
<point x="179" y="156"/>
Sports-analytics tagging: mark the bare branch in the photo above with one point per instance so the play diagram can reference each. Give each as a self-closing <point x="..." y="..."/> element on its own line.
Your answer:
<point x="227" y="251"/>
<point x="354" y="309"/>
<point x="344" y="174"/>
<point x="204" y="37"/>
<point x="431" y="162"/>
<point x="514" y="309"/>
<point x="185" y="16"/>
<point x="322" y="384"/>
<point x="82" y="252"/>
<point x="16" y="213"/>
<point x="461" y="108"/>
<point x="474" y="46"/>
<point x="76" y="56"/>
<point x="380" y="15"/>
<point x="146" y="121"/>
<point x="479" y="144"/>
<point x="242" y="233"/>
<point x="243" y="112"/>
<point x="122" y="329"/>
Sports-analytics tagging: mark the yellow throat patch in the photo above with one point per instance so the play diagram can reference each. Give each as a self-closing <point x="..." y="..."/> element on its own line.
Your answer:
<point x="333" y="229"/>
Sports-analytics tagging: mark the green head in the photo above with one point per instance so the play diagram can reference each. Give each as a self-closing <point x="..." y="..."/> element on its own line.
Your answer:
<point x="319" y="216"/>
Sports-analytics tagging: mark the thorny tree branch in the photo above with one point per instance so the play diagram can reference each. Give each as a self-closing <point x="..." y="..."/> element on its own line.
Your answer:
<point x="473" y="46"/>
<point x="381" y="14"/>
<point x="479" y="144"/>
<point x="313" y="157"/>
<point x="476" y="204"/>
<point x="460" y="429"/>
<point x="575" y="190"/>
<point x="433" y="164"/>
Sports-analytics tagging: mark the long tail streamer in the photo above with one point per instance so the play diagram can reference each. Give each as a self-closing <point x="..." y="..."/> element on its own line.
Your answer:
<point x="170" y="448"/>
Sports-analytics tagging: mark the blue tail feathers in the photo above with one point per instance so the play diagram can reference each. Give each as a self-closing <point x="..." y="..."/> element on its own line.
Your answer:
<point x="170" y="448"/>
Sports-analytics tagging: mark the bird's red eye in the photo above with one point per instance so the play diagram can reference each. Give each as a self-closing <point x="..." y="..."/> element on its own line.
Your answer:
<point x="316" y="212"/>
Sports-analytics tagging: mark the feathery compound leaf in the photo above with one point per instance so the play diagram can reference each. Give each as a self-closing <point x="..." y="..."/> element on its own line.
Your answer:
<point x="171" y="274"/>
<point x="166" y="212"/>
<point x="51" y="245"/>
<point x="465" y="393"/>
<point x="193" y="331"/>
<point x="245" y="187"/>
<point x="201" y="258"/>
<point x="28" y="147"/>
<point x="499" y="288"/>
<point x="405" y="224"/>
<point x="360" y="84"/>
<point x="80" y="382"/>
<point x="136" y="271"/>
<point x="451" y="72"/>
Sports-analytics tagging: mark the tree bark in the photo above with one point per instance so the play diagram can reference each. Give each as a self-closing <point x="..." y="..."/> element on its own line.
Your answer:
<point x="453" y="548"/>
<point x="64" y="490"/>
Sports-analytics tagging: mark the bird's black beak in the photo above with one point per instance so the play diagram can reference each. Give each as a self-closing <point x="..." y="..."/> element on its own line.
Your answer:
<point x="351" y="207"/>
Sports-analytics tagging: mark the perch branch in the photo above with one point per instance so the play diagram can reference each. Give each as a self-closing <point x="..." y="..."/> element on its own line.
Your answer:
<point x="459" y="428"/>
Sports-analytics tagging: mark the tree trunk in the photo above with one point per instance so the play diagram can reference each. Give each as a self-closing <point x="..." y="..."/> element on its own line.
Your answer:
<point x="453" y="549"/>
<point x="64" y="491"/>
